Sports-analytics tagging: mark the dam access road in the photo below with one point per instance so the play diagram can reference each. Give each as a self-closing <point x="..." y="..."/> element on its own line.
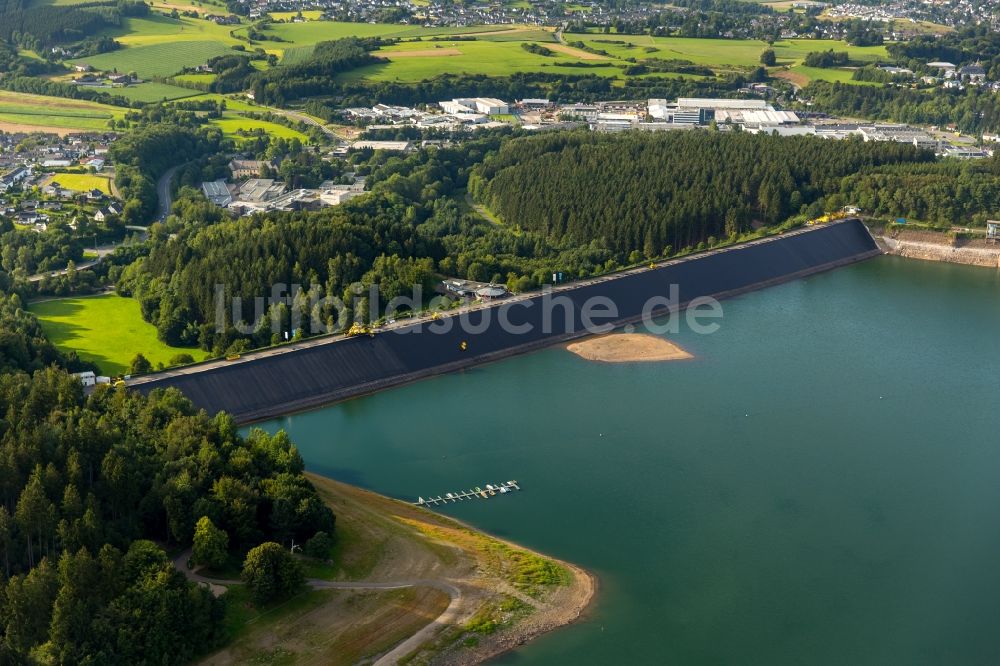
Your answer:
<point x="311" y="373"/>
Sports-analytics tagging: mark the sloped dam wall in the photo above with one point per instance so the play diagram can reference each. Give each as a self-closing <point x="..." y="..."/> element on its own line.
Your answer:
<point x="267" y="384"/>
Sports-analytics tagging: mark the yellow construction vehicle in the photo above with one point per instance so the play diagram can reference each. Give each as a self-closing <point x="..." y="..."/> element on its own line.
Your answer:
<point x="357" y="328"/>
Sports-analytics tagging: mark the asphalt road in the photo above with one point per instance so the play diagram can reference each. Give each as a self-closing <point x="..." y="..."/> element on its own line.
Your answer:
<point x="163" y="194"/>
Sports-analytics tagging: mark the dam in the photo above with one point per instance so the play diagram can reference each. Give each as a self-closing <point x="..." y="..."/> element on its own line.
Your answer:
<point x="279" y="381"/>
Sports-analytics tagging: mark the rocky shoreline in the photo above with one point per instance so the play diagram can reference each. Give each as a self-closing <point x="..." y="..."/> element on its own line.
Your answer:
<point x="937" y="246"/>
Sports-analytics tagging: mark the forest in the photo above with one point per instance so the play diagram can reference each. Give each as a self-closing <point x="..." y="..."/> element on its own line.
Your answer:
<point x="87" y="484"/>
<point x="656" y="193"/>
<point x="35" y="25"/>
<point x="943" y="193"/>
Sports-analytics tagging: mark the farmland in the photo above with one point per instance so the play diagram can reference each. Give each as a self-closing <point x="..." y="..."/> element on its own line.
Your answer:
<point x="152" y="91"/>
<point x="719" y="52"/>
<point x="55" y="112"/>
<point x="152" y="50"/>
<point x="107" y="330"/>
<point x="473" y="57"/>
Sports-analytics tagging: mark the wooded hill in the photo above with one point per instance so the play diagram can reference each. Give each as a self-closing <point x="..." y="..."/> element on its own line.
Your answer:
<point x="657" y="192"/>
<point x="86" y="483"/>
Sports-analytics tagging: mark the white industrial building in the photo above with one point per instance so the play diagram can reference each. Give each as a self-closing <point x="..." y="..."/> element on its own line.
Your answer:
<point x="486" y="105"/>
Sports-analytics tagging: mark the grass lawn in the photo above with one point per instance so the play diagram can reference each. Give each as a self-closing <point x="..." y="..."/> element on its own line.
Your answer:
<point x="832" y="75"/>
<point x="152" y="91"/>
<point x="83" y="182"/>
<point x="231" y="124"/>
<point x="157" y="59"/>
<point x="108" y="330"/>
<point x="43" y="111"/>
<point x="232" y="103"/>
<point x="205" y="78"/>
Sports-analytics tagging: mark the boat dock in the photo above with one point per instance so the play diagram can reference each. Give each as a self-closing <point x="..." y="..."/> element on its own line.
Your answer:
<point x="488" y="491"/>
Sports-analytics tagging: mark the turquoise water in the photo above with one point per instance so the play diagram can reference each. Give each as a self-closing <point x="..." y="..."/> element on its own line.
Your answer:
<point x="820" y="485"/>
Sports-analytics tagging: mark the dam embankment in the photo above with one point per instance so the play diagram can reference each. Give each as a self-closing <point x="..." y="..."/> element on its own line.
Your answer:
<point x="276" y="382"/>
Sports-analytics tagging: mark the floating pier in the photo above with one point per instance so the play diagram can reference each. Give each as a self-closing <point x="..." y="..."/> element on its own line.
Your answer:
<point x="486" y="492"/>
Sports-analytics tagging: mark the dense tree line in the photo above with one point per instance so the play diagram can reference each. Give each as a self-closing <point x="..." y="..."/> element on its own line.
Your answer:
<point x="86" y="482"/>
<point x="14" y="65"/>
<point x="23" y="345"/>
<point x="965" y="45"/>
<point x="38" y="25"/>
<point x="312" y="77"/>
<point x="40" y="86"/>
<point x="826" y="59"/>
<point x="651" y="191"/>
<point x="971" y="110"/>
<point x="943" y="193"/>
<point x="27" y="252"/>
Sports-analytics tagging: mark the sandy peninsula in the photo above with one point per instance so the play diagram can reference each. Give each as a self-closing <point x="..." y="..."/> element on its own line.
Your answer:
<point x="628" y="348"/>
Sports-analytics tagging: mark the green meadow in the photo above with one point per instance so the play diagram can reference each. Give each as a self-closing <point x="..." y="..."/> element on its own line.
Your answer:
<point x="157" y="59"/>
<point x="231" y="126"/>
<point x="415" y="61"/>
<point x="719" y="52"/>
<point x="152" y="91"/>
<point x="107" y="330"/>
<point x="83" y="182"/>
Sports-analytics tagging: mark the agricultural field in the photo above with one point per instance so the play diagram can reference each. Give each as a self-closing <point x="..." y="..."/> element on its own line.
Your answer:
<point x="160" y="29"/>
<point x="107" y="330"/>
<point x="309" y="15"/>
<point x="157" y="59"/>
<point x="205" y="78"/>
<point x="415" y="61"/>
<point x="55" y="113"/>
<point x="152" y="91"/>
<point x="83" y="182"/>
<point x="720" y="52"/>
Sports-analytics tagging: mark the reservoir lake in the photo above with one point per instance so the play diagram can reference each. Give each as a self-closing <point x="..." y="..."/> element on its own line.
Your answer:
<point x="819" y="485"/>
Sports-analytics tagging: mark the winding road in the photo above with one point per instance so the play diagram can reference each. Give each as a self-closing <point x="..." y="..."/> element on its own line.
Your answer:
<point x="163" y="194"/>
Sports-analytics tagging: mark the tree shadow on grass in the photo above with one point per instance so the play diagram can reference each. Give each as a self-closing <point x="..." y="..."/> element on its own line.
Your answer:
<point x="63" y="332"/>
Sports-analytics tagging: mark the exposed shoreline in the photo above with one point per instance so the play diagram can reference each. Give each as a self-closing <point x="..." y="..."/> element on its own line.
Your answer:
<point x="628" y="348"/>
<point x="410" y="585"/>
<point x="562" y="607"/>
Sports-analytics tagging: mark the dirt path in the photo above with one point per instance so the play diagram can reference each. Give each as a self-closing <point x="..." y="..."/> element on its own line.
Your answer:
<point x="575" y="52"/>
<point x="417" y="579"/>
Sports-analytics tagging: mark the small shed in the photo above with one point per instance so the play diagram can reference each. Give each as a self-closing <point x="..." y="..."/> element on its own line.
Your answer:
<point x="992" y="231"/>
